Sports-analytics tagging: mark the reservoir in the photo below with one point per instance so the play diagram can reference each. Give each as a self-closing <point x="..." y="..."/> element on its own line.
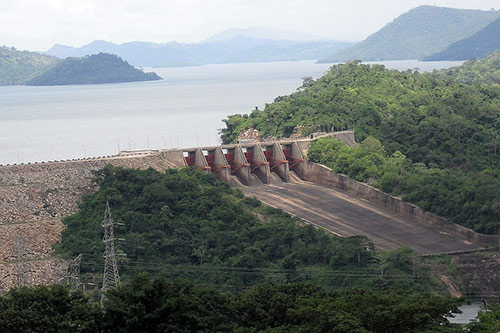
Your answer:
<point x="183" y="110"/>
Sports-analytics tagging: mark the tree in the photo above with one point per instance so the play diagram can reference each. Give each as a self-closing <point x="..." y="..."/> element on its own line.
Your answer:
<point x="488" y="320"/>
<point x="147" y="305"/>
<point x="48" y="309"/>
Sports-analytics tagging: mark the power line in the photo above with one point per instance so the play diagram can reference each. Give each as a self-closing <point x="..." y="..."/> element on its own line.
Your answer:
<point x="157" y="265"/>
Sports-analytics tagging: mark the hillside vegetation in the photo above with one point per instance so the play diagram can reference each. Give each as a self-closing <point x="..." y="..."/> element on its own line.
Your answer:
<point x="420" y="32"/>
<point x="473" y="47"/>
<point x="434" y="122"/>
<point x="160" y="305"/>
<point x="98" y="68"/>
<point x="187" y="224"/>
<point x="18" y="67"/>
<point x="485" y="71"/>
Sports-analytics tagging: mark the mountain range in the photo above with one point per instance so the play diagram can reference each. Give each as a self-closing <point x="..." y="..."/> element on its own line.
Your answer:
<point x="231" y="46"/>
<point x="474" y="47"/>
<point x="418" y="33"/>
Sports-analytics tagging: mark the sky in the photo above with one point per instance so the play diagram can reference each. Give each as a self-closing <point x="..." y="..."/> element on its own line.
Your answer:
<point x="39" y="24"/>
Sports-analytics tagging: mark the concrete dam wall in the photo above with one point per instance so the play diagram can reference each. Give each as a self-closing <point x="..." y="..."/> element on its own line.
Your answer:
<point x="35" y="197"/>
<point x="320" y="174"/>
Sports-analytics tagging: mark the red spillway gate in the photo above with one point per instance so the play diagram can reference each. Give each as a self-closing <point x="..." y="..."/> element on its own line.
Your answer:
<point x="213" y="165"/>
<point x="253" y="163"/>
<point x="273" y="161"/>
<point x="293" y="160"/>
<point x="189" y="160"/>
<point x="235" y="166"/>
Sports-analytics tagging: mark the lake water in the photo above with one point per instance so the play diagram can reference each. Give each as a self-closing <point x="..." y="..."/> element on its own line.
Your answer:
<point x="184" y="110"/>
<point x="469" y="313"/>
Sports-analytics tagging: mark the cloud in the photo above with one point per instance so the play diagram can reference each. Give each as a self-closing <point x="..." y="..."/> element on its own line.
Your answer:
<point x="38" y="24"/>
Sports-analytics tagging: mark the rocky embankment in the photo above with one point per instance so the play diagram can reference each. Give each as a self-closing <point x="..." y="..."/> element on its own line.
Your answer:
<point x="33" y="200"/>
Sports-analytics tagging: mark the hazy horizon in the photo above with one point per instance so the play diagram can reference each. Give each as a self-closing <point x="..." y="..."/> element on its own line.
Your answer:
<point x="38" y="25"/>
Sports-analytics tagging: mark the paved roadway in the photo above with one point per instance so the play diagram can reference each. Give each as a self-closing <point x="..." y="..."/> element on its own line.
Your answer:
<point x="346" y="215"/>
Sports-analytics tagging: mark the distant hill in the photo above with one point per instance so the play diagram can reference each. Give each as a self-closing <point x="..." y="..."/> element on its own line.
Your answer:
<point x="418" y="33"/>
<point x="99" y="68"/>
<point x="18" y="67"/>
<point x="263" y="33"/>
<point x="236" y="49"/>
<point x="476" y="46"/>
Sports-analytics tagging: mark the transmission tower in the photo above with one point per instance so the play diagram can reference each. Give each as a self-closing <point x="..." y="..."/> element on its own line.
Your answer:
<point x="72" y="275"/>
<point x="20" y="255"/>
<point x="111" y="278"/>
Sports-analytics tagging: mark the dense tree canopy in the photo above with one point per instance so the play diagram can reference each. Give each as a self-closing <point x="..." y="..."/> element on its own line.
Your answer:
<point x="488" y="320"/>
<point x="47" y="309"/>
<point x="146" y="304"/>
<point x="484" y="71"/>
<point x="18" y="67"/>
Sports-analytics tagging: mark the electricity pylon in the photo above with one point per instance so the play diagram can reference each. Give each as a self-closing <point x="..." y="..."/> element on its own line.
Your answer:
<point x="72" y="275"/>
<point x="111" y="277"/>
<point x="20" y="255"/>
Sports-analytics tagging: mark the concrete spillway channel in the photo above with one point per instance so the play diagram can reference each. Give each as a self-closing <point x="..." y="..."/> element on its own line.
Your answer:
<point x="346" y="215"/>
<point x="277" y="174"/>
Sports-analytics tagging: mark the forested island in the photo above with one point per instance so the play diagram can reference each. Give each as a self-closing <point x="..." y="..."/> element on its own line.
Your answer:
<point x="430" y="138"/>
<point x="94" y="69"/>
<point x="33" y="69"/>
<point x="18" y="67"/>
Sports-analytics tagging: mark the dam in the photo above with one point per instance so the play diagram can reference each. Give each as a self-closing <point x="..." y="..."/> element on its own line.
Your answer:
<point x="35" y="197"/>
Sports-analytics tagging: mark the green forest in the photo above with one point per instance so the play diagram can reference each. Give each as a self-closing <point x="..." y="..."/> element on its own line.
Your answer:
<point x="484" y="71"/>
<point x="444" y="125"/>
<point x="146" y="304"/>
<point x="183" y="223"/>
<point x="18" y="67"/>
